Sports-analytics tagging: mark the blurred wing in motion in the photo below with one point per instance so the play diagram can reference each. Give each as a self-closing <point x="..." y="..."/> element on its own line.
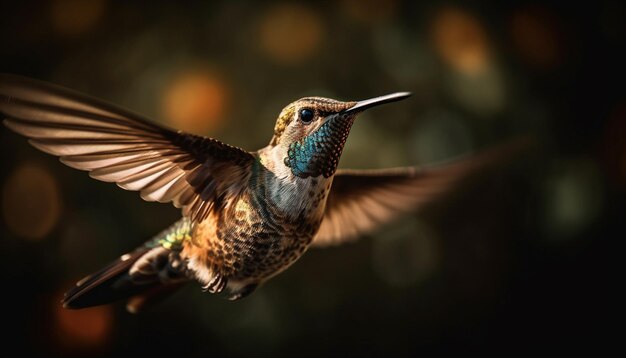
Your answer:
<point x="362" y="200"/>
<point x="115" y="145"/>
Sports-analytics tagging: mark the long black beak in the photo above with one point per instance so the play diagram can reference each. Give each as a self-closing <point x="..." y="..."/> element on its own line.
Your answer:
<point x="372" y="102"/>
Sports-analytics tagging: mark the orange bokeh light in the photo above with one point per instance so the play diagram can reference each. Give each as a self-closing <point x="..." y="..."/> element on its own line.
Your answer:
<point x="74" y="17"/>
<point x="534" y="32"/>
<point x="614" y="146"/>
<point x="535" y="35"/>
<point x="460" y="40"/>
<point x="195" y="101"/>
<point x="31" y="203"/>
<point x="85" y="328"/>
<point x="290" y="33"/>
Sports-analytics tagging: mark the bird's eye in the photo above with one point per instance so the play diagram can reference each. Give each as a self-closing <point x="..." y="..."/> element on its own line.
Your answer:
<point x="306" y="115"/>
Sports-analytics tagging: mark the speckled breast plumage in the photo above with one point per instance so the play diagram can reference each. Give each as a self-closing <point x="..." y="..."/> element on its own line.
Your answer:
<point x="251" y="239"/>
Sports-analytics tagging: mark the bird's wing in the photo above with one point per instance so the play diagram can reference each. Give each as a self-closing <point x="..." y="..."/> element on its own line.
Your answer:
<point x="115" y="145"/>
<point x="362" y="200"/>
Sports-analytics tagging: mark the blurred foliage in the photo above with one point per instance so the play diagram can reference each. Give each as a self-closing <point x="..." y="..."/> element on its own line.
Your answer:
<point x="523" y="259"/>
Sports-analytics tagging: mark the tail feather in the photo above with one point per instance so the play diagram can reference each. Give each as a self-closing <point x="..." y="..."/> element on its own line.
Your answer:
<point x="143" y="276"/>
<point x="105" y="286"/>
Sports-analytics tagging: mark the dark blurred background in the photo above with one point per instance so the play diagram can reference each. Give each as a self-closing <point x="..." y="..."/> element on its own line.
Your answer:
<point x="523" y="259"/>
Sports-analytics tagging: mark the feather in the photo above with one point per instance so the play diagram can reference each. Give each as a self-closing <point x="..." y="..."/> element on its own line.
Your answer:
<point x="362" y="200"/>
<point x="115" y="145"/>
<point x="98" y="288"/>
<point x="144" y="273"/>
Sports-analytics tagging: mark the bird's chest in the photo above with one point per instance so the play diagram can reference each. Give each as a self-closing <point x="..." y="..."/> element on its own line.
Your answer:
<point x="258" y="236"/>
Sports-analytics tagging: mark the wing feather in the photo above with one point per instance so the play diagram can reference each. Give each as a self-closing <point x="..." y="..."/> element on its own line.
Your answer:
<point x="115" y="145"/>
<point x="360" y="201"/>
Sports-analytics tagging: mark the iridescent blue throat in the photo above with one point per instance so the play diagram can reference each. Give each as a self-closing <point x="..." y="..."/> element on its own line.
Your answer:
<point x="319" y="153"/>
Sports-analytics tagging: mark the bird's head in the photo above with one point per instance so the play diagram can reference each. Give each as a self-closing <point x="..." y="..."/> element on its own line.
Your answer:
<point x="310" y="133"/>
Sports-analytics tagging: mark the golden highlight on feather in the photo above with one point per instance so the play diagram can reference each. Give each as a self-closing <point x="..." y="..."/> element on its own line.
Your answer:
<point x="284" y="118"/>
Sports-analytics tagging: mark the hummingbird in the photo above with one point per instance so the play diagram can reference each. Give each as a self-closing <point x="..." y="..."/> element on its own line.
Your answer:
<point x="246" y="216"/>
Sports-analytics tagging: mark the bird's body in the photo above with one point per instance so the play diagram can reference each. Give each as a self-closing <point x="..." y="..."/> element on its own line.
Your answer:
<point x="258" y="233"/>
<point x="247" y="216"/>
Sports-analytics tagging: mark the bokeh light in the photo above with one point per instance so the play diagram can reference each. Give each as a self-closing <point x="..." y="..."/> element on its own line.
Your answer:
<point x="440" y="136"/>
<point x="82" y="329"/>
<point x="290" y="33"/>
<point x="614" y="145"/>
<point x="482" y="93"/>
<point x="406" y="58"/>
<point x="72" y="18"/>
<point x="31" y="202"/>
<point x="195" y="101"/>
<point x="370" y="11"/>
<point x="574" y="198"/>
<point x="460" y="40"/>
<point x="536" y="37"/>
